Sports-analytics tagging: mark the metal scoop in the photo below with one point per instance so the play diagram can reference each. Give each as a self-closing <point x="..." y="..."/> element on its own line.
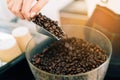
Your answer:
<point x="47" y="26"/>
<point x="45" y="32"/>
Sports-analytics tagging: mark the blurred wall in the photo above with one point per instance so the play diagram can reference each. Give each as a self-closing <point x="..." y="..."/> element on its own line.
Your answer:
<point x="53" y="7"/>
<point x="114" y="5"/>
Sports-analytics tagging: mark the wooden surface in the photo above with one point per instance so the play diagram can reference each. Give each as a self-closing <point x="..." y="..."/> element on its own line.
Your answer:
<point x="74" y="14"/>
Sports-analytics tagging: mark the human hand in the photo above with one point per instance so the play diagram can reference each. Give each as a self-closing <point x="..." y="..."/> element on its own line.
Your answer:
<point x="25" y="9"/>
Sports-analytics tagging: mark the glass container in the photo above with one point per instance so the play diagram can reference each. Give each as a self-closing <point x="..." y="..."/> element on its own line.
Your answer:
<point x="83" y="32"/>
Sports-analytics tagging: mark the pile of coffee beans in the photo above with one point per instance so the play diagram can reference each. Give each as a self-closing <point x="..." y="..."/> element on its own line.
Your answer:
<point x="69" y="56"/>
<point x="49" y="25"/>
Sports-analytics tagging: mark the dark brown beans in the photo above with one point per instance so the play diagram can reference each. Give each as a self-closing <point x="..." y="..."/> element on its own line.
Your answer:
<point x="62" y="57"/>
<point x="49" y="25"/>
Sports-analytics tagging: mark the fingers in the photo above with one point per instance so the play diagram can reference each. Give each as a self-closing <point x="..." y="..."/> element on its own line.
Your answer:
<point x="37" y="7"/>
<point x="20" y="8"/>
<point x="10" y="4"/>
<point x="7" y="1"/>
<point x="26" y="8"/>
<point x="16" y="9"/>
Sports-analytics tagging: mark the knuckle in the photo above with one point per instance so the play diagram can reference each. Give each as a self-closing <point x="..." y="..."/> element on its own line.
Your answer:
<point x="22" y="11"/>
<point x="9" y="7"/>
<point x="15" y="11"/>
<point x="47" y="1"/>
<point x="25" y="13"/>
<point x="12" y="10"/>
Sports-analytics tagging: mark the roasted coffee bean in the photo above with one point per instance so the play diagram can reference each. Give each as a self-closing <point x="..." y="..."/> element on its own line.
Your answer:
<point x="49" y="25"/>
<point x="70" y="56"/>
<point x="37" y="60"/>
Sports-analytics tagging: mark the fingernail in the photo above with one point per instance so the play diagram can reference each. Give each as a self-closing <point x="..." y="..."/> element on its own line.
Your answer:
<point x="32" y="14"/>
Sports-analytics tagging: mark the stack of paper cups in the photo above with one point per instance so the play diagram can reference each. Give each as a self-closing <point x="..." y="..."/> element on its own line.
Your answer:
<point x="8" y="47"/>
<point x="22" y="36"/>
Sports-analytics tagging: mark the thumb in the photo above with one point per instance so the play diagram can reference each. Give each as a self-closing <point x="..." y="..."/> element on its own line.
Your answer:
<point x="37" y="7"/>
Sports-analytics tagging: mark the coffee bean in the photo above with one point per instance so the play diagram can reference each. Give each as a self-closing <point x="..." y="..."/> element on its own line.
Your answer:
<point x="37" y="61"/>
<point x="70" y="56"/>
<point x="49" y="25"/>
